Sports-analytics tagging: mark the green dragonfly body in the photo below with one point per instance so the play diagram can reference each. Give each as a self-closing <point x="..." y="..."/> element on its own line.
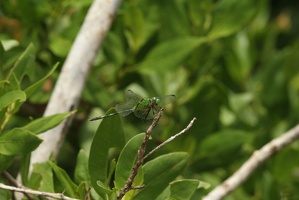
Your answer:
<point x="142" y="108"/>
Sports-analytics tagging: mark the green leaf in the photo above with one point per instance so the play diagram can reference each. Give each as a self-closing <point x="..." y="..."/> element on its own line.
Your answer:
<point x="81" y="170"/>
<point x="2" y="51"/>
<point x="59" y="44"/>
<point x="38" y="83"/>
<point x="25" y="65"/>
<point x="223" y="143"/>
<point x="5" y="162"/>
<point x="179" y="25"/>
<point x="221" y="148"/>
<point x="45" y="123"/>
<point x="7" y="45"/>
<point x="111" y="170"/>
<point x="18" y="142"/>
<point x="109" y="134"/>
<point x="104" y="188"/>
<point x="229" y="16"/>
<point x="62" y="182"/>
<point x="138" y="181"/>
<point x="126" y="160"/>
<point x="183" y="189"/>
<point x="5" y="194"/>
<point x="10" y="97"/>
<point x="42" y="177"/>
<point x="284" y="164"/>
<point x="134" y="21"/>
<point x="82" y="190"/>
<point x="169" y="54"/>
<point x="159" y="172"/>
<point x="24" y="170"/>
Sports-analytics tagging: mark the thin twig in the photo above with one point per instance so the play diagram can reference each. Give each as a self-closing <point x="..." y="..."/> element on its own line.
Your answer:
<point x="140" y="157"/>
<point x="257" y="159"/>
<point x="171" y="138"/>
<point x="14" y="182"/>
<point x="35" y="192"/>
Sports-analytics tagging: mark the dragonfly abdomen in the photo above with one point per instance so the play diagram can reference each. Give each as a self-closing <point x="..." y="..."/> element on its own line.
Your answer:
<point x="123" y="113"/>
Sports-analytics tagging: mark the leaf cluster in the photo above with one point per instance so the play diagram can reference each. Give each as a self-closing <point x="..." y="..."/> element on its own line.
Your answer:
<point x="232" y="64"/>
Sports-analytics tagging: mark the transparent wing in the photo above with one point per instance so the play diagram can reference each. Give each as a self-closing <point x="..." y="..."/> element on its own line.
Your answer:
<point x="132" y="98"/>
<point x="166" y="100"/>
<point x="124" y="109"/>
<point x="143" y="113"/>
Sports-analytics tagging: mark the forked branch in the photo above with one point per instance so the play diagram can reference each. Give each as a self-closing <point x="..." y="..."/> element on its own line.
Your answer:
<point x="140" y="157"/>
<point x="141" y="152"/>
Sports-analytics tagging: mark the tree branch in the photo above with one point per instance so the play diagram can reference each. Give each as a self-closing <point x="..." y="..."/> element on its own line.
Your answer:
<point x="14" y="182"/>
<point x="35" y="192"/>
<point x="171" y="138"/>
<point x="140" y="158"/>
<point x="257" y="159"/>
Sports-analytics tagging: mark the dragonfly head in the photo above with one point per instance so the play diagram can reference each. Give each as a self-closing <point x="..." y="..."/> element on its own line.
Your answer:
<point x="156" y="100"/>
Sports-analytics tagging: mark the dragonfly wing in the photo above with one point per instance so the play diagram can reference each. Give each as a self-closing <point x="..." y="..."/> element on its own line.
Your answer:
<point x="132" y="98"/>
<point x="142" y="113"/>
<point x="147" y="114"/>
<point x="166" y="99"/>
<point x="124" y="109"/>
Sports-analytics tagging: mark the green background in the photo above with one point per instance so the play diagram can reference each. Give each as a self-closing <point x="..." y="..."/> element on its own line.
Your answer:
<point x="231" y="64"/>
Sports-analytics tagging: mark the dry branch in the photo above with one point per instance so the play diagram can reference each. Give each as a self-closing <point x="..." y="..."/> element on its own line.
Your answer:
<point x="257" y="159"/>
<point x="140" y="158"/>
<point x="35" y="192"/>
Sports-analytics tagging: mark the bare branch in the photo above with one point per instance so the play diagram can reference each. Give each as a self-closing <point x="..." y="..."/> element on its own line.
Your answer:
<point x="14" y="182"/>
<point x="257" y="159"/>
<point x="171" y="138"/>
<point x="140" y="158"/>
<point x="35" y="192"/>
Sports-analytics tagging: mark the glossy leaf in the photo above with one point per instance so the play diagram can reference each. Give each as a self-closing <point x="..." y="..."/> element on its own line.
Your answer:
<point x="18" y="142"/>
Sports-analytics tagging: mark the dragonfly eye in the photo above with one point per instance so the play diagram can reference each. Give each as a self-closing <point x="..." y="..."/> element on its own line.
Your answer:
<point x="157" y="100"/>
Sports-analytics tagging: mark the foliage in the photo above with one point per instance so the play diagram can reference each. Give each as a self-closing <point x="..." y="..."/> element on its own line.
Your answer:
<point x="232" y="64"/>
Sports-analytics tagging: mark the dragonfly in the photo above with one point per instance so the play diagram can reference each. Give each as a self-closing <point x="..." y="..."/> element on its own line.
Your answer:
<point x="143" y="108"/>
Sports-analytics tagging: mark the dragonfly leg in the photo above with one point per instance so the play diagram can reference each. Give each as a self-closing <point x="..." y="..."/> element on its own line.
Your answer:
<point x="147" y="113"/>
